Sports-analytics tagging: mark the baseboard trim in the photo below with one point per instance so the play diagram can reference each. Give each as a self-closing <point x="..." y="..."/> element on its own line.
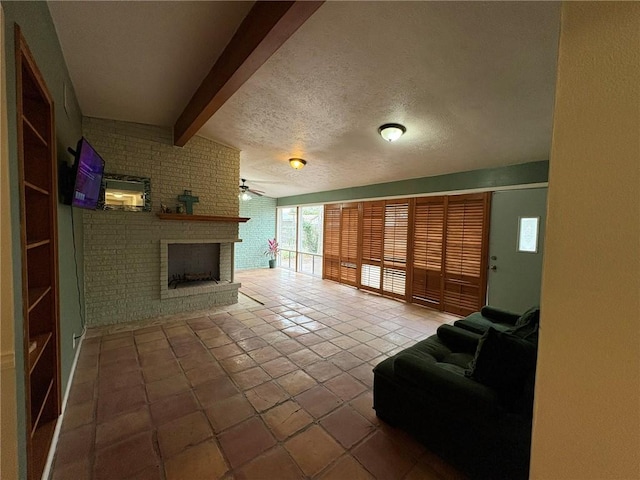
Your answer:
<point x="54" y="442"/>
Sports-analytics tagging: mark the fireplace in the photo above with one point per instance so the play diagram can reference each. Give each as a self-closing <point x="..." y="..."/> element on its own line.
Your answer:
<point x="193" y="264"/>
<point x="196" y="267"/>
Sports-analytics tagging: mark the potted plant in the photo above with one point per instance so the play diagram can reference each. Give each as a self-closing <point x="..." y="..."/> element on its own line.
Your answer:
<point x="272" y="251"/>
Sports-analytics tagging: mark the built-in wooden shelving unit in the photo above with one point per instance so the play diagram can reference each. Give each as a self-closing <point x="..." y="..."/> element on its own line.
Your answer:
<point x="36" y="151"/>
<point x="201" y="218"/>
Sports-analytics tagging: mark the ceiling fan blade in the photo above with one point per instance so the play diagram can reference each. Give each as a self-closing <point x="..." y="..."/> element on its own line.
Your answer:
<point x="259" y="193"/>
<point x="266" y="182"/>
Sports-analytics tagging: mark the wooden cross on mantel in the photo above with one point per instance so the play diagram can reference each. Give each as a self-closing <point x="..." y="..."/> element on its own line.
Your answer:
<point x="188" y="201"/>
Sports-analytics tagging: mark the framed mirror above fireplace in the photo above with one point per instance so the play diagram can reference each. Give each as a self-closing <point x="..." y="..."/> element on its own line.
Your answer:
<point x="125" y="192"/>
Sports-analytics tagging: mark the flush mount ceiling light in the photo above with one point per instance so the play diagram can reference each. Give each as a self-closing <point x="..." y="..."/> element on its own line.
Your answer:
<point x="391" y="131"/>
<point x="297" y="163"/>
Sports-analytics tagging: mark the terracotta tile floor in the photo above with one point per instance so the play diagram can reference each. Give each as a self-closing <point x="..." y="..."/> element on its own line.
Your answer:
<point x="275" y="387"/>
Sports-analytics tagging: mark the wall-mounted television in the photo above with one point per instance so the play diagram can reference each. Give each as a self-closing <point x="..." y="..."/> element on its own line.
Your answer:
<point x="85" y="176"/>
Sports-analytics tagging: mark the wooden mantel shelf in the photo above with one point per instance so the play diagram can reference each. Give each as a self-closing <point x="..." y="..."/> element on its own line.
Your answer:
<point x="183" y="217"/>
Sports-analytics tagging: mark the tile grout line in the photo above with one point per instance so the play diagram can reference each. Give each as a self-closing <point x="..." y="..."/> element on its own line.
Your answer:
<point x="254" y="321"/>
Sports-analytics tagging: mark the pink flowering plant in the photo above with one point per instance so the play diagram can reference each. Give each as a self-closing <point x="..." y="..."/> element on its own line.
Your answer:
<point x="273" y="249"/>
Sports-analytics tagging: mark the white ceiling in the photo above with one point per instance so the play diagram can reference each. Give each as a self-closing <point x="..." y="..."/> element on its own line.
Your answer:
<point x="473" y="82"/>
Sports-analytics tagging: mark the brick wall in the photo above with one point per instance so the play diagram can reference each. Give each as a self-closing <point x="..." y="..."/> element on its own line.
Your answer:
<point x="122" y="249"/>
<point x="256" y="232"/>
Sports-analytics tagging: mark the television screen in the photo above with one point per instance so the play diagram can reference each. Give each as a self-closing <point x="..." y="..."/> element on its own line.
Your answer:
<point x="89" y="170"/>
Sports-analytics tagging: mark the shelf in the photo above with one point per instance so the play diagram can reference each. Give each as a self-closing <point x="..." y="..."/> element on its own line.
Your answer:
<point x="38" y="244"/>
<point x="38" y="160"/>
<point x="38" y="217"/>
<point x="41" y="343"/>
<point x="44" y="403"/>
<point x="36" y="294"/>
<point x="40" y="443"/>
<point x="34" y="131"/>
<point x="36" y="188"/>
<point x="201" y="218"/>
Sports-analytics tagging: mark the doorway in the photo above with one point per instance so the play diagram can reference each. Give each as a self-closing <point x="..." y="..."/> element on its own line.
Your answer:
<point x="516" y="245"/>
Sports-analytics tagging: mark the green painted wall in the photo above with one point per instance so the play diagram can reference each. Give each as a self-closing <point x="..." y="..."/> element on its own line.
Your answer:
<point x="38" y="29"/>
<point x="256" y="232"/>
<point x="526" y="173"/>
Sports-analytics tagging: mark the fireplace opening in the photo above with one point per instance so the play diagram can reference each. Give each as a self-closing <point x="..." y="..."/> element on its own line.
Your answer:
<point x="193" y="264"/>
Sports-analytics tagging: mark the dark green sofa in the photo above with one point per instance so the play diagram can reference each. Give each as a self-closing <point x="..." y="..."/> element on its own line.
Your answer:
<point x="473" y="406"/>
<point x="488" y="316"/>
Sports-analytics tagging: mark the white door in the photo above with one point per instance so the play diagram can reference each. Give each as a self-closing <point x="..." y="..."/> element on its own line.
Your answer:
<point x="515" y="251"/>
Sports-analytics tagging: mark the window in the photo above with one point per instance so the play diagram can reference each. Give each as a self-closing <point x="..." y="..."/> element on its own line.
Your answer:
<point x="465" y="253"/>
<point x="331" y="266"/>
<point x="349" y="244"/>
<point x="287" y="224"/>
<point x="396" y="225"/>
<point x="372" y="232"/>
<point x="428" y="237"/>
<point x="301" y="239"/>
<point x="528" y="234"/>
<point x="310" y="239"/>
<point x="429" y="250"/>
<point x="287" y="228"/>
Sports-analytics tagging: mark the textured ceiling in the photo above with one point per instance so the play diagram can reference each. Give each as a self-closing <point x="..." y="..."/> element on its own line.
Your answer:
<point x="473" y="82"/>
<point x="142" y="61"/>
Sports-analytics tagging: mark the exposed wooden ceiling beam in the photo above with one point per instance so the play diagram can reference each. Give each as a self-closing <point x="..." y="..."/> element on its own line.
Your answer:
<point x="266" y="27"/>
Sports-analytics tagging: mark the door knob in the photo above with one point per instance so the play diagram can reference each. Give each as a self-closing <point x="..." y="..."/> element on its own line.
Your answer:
<point x="494" y="268"/>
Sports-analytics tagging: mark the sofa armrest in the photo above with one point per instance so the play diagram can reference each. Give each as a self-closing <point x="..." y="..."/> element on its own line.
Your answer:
<point x="458" y="339"/>
<point x="454" y="390"/>
<point x="499" y="315"/>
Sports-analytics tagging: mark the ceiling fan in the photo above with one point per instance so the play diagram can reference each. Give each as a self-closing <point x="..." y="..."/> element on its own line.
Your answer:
<point x="244" y="189"/>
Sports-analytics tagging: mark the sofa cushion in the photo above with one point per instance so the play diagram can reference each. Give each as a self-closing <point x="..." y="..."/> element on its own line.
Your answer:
<point x="530" y="316"/>
<point x="458" y="339"/>
<point x="430" y="349"/>
<point x="478" y="323"/>
<point x="459" y="359"/>
<point x="526" y="326"/>
<point x="499" y="315"/>
<point x="502" y="361"/>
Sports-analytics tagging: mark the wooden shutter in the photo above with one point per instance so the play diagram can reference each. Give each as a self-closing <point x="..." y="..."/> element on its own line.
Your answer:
<point x="331" y="242"/>
<point x="466" y="246"/>
<point x="428" y="237"/>
<point x="394" y="269"/>
<point x="349" y="244"/>
<point x="372" y="240"/>
<point x="367" y="245"/>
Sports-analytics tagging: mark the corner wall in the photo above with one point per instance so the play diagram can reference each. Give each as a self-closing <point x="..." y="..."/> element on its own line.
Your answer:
<point x="587" y="399"/>
<point x="122" y="249"/>
<point x="256" y="232"/>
